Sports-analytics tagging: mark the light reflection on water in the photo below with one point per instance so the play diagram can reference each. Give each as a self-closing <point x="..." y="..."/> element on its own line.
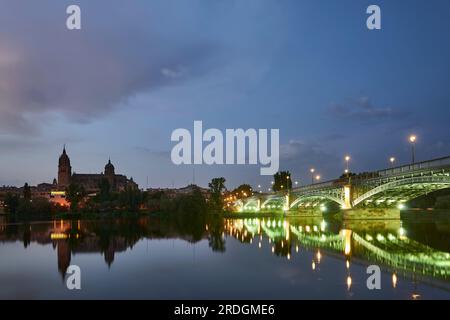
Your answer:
<point x="272" y="257"/>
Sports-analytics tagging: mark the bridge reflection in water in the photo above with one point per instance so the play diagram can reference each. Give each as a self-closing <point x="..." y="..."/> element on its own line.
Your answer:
<point x="384" y="243"/>
<point x="417" y="251"/>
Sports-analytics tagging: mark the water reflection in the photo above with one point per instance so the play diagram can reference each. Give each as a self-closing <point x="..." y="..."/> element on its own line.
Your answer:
<point x="416" y="251"/>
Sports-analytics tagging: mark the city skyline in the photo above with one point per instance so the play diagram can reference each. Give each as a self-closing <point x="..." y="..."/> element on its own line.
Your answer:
<point x="119" y="89"/>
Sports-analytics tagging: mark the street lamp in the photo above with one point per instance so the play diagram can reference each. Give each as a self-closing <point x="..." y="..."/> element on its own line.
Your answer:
<point x="318" y="177"/>
<point x="392" y="160"/>
<point x="347" y="160"/>
<point x="312" y="170"/>
<point x="412" y="139"/>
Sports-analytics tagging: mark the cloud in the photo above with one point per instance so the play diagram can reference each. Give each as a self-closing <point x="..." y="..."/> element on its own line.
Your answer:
<point x="173" y="73"/>
<point x="165" y="155"/>
<point x="85" y="74"/>
<point x="299" y="156"/>
<point x="362" y="110"/>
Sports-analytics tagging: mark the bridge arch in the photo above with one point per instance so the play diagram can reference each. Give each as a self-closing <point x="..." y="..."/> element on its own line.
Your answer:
<point x="249" y="202"/>
<point x="306" y="197"/>
<point x="406" y="189"/>
<point x="279" y="199"/>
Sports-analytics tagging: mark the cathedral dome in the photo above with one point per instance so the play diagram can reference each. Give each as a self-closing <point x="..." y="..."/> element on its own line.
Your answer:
<point x="109" y="168"/>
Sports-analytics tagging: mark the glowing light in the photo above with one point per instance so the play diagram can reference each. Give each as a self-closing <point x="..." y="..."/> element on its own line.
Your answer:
<point x="289" y="256"/>
<point x="347" y="234"/>
<point x="319" y="256"/>
<point x="313" y="265"/>
<point x="58" y="236"/>
<point x="296" y="248"/>
<point x="394" y="280"/>
<point x="349" y="282"/>
<point x="273" y="249"/>
<point x="412" y="138"/>
<point x="347" y="197"/>
<point x="347" y="264"/>
<point x="259" y="245"/>
<point x="58" y="193"/>
<point x="402" y="233"/>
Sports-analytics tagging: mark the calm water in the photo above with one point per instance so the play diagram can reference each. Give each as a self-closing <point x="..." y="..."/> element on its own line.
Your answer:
<point x="209" y="258"/>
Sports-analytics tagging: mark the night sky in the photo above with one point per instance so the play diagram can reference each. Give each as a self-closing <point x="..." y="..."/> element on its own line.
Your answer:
<point x="140" y="69"/>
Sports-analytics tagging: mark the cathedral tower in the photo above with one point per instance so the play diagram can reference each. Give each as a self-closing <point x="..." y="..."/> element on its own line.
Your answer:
<point x="64" y="170"/>
<point x="110" y="174"/>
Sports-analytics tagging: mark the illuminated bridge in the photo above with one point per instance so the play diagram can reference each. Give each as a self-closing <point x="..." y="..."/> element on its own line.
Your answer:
<point x="383" y="189"/>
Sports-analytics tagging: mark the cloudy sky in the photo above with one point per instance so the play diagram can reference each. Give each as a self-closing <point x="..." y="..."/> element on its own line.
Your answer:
<point x="135" y="72"/>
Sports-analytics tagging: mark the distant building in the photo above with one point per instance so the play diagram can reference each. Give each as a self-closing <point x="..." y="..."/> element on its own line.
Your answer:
<point x="91" y="182"/>
<point x="55" y="191"/>
<point x="172" y="192"/>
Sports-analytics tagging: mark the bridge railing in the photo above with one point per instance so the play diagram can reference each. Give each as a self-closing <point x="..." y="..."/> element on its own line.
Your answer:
<point x="321" y="185"/>
<point x="430" y="164"/>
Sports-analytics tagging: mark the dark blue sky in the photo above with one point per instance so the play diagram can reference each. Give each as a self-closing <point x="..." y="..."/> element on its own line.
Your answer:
<point x="136" y="72"/>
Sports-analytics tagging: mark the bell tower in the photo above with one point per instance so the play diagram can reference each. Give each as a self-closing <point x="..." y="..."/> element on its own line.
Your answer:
<point x="64" y="170"/>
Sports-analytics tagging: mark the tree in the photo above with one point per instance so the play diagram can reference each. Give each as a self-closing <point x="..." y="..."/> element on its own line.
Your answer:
<point x="130" y="199"/>
<point x="74" y="194"/>
<point x="216" y="187"/>
<point x="105" y="190"/>
<point x="11" y="203"/>
<point x="243" y="191"/>
<point x="27" y="192"/>
<point x="282" y="181"/>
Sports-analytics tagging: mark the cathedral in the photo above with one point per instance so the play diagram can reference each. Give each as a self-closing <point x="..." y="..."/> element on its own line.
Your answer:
<point x="91" y="182"/>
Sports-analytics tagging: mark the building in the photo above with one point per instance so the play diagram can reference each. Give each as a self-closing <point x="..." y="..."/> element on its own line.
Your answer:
<point x="55" y="192"/>
<point x="173" y="193"/>
<point x="91" y="182"/>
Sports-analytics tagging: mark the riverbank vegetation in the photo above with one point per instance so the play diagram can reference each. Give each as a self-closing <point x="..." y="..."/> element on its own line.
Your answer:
<point x="106" y="202"/>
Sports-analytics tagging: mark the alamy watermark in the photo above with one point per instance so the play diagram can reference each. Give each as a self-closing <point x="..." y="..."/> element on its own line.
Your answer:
<point x="73" y="281"/>
<point x="73" y="21"/>
<point x="237" y="146"/>
<point x="374" y="280"/>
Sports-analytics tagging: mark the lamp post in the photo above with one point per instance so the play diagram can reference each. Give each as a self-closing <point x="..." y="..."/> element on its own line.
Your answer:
<point x="347" y="160"/>
<point x="392" y="160"/>
<point x="412" y="139"/>
<point x="312" y="170"/>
